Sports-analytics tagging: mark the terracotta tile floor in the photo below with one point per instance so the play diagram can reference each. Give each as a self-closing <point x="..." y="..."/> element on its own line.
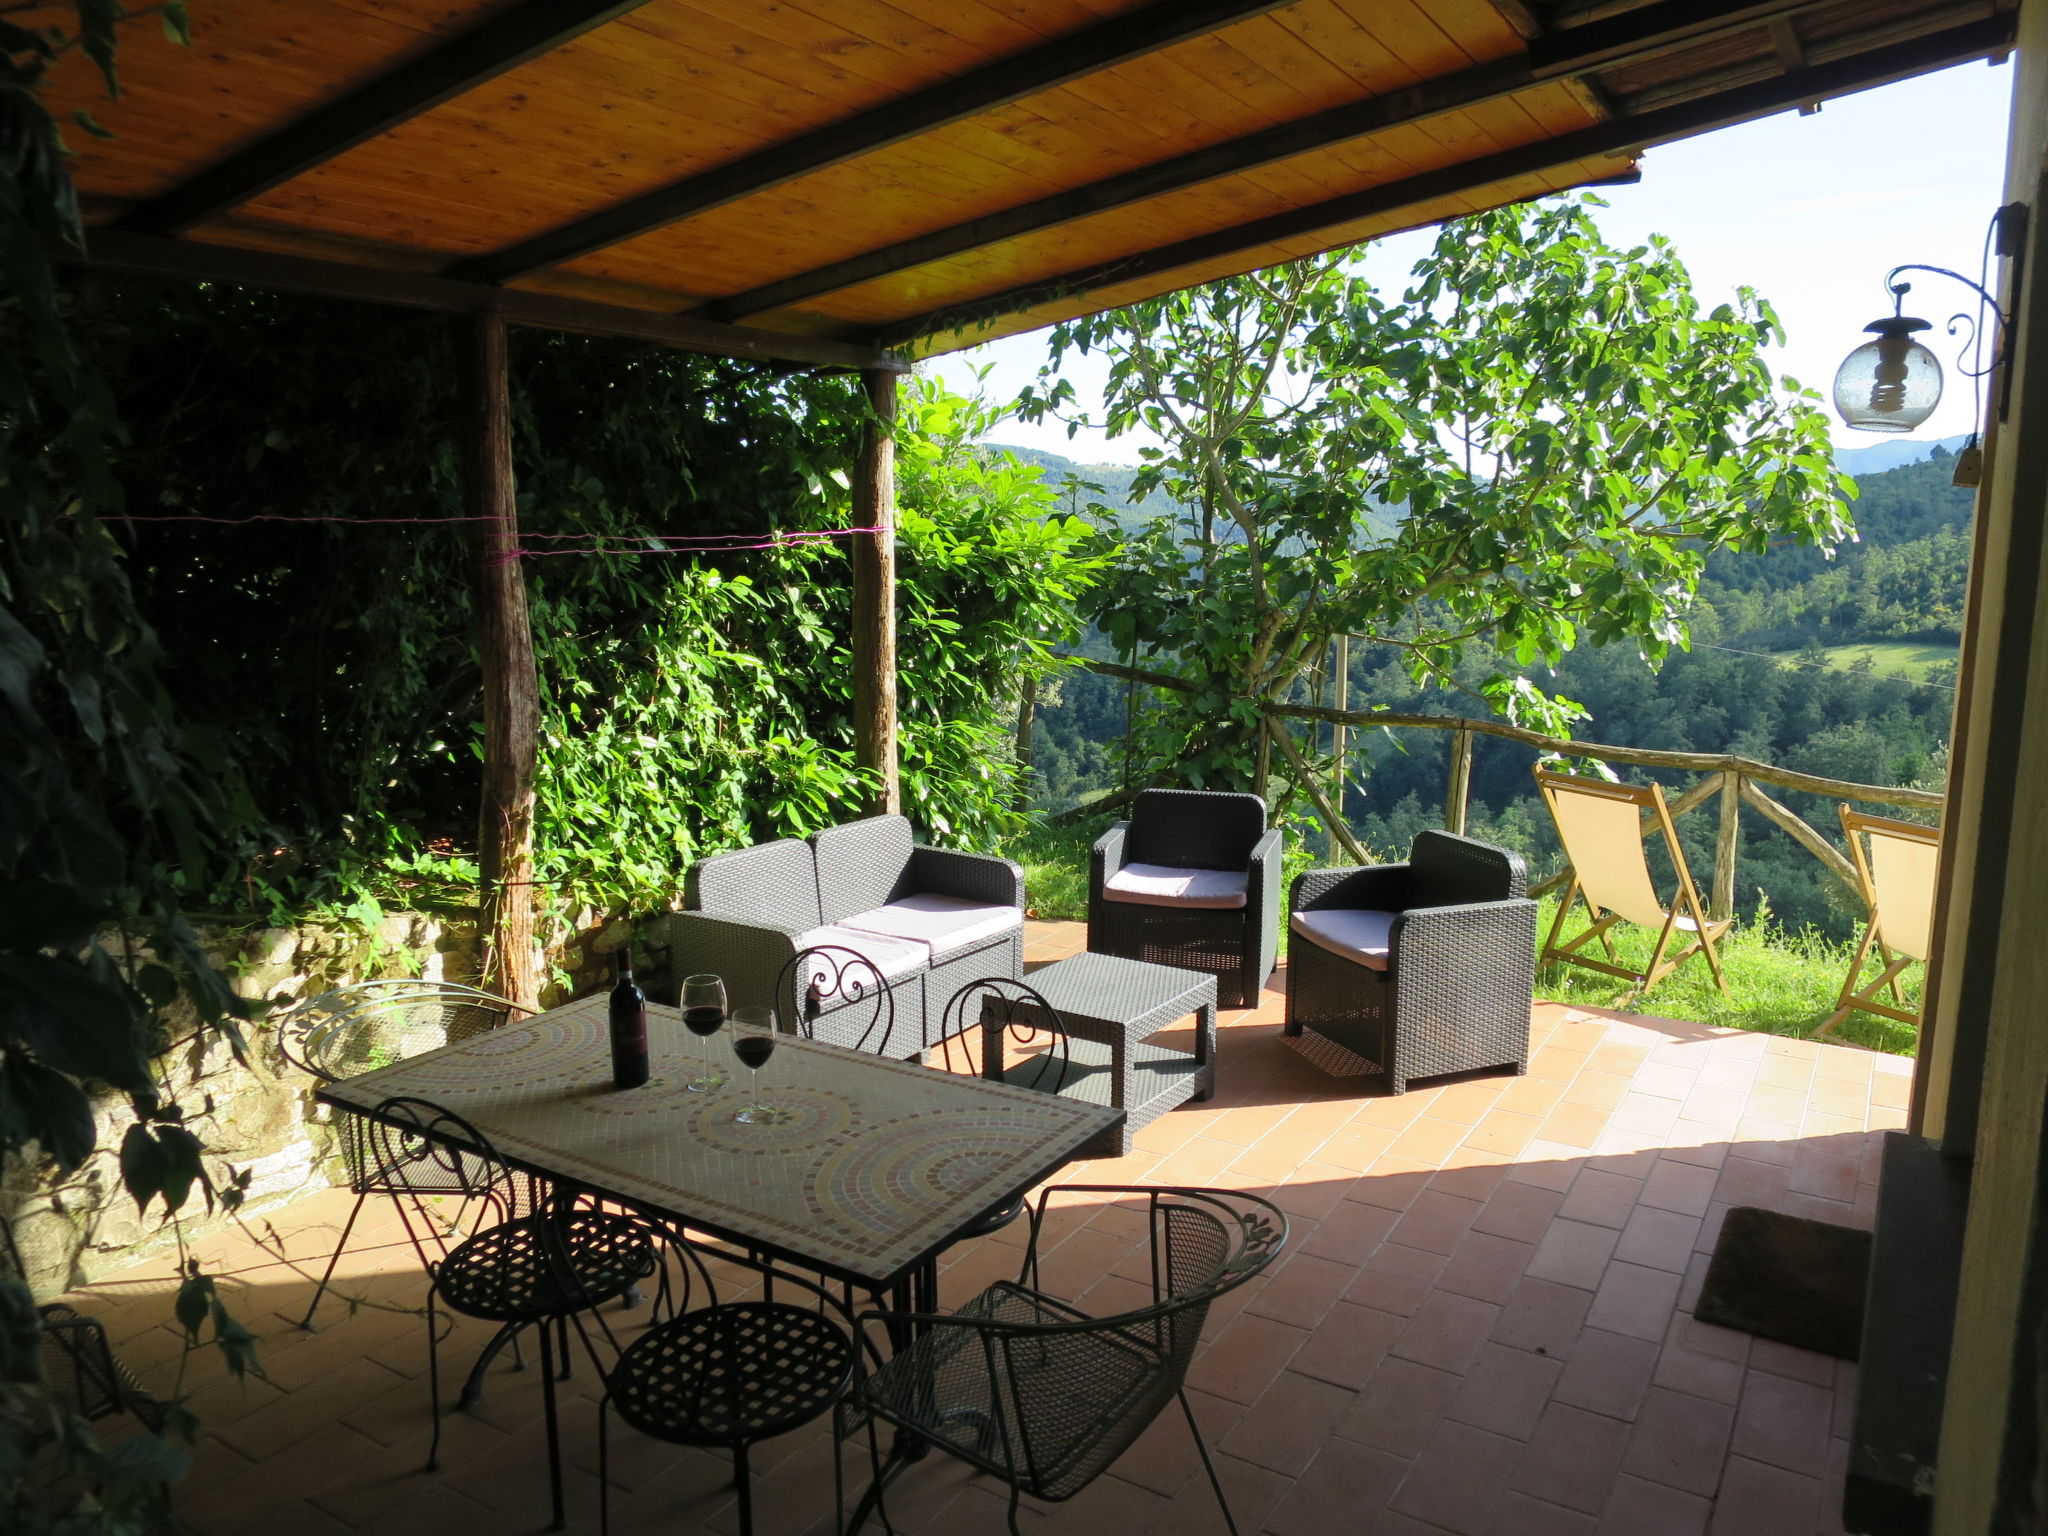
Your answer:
<point x="1481" y="1324"/>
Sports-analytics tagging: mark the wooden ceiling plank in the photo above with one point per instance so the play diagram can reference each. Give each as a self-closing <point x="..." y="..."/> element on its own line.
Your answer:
<point x="483" y="53"/>
<point x="1780" y="93"/>
<point x="1035" y="69"/>
<point x="1399" y="108"/>
<point x="193" y="260"/>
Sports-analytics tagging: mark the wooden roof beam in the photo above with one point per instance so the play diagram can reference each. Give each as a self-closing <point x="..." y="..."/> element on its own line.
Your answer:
<point x="503" y="43"/>
<point x="196" y="261"/>
<point x="1566" y="56"/>
<point x="1780" y="93"/>
<point x="1078" y="54"/>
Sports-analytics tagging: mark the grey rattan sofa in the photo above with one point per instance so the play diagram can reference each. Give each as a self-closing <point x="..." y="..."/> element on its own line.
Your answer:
<point x="1202" y="889"/>
<point x="929" y="919"/>
<point x="1415" y="969"/>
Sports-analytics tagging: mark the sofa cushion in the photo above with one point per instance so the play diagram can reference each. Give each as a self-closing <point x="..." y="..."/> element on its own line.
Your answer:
<point x="894" y="958"/>
<point x="948" y="925"/>
<point x="1161" y="885"/>
<point x="861" y="865"/>
<point x="1362" y="936"/>
<point x="773" y="883"/>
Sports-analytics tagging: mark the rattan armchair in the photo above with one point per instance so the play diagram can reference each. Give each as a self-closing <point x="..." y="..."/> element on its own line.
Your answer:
<point x="1414" y="969"/>
<point x="1037" y="1392"/>
<point x="1191" y="880"/>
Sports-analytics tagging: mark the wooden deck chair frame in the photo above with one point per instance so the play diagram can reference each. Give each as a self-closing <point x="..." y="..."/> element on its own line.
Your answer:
<point x="1685" y="904"/>
<point x="1859" y="829"/>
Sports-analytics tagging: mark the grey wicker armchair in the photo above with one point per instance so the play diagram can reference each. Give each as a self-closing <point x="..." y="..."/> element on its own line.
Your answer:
<point x="1043" y="1395"/>
<point x="1191" y="880"/>
<point x="1414" y="969"/>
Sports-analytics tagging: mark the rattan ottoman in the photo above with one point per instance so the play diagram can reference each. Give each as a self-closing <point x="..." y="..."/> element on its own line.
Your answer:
<point x="1110" y="1006"/>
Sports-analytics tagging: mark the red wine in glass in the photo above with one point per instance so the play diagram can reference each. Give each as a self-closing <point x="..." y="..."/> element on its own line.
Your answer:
<point x="754" y="1050"/>
<point x="703" y="1001"/>
<point x="753" y="1041"/>
<point x="703" y="1021"/>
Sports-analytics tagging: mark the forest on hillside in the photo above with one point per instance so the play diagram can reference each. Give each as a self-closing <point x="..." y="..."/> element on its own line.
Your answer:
<point x="1776" y="671"/>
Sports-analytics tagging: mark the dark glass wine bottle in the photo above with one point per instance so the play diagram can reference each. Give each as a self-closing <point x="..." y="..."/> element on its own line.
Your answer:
<point x="629" y="1028"/>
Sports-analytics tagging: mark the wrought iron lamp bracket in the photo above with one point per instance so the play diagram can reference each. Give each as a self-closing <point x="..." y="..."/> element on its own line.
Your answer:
<point x="1961" y="322"/>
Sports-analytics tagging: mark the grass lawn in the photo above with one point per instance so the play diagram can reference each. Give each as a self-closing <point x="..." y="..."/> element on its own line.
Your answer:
<point x="1780" y="983"/>
<point x="1915" y="658"/>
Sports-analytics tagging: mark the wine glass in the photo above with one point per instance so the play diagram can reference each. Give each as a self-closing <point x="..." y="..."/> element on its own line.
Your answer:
<point x="753" y="1041"/>
<point x="703" y="1013"/>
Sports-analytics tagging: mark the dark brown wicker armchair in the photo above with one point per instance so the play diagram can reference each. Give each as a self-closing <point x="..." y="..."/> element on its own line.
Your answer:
<point x="1415" y="969"/>
<point x="1193" y="880"/>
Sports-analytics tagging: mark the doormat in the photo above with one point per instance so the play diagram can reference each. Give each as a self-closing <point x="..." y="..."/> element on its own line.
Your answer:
<point x="1787" y="1278"/>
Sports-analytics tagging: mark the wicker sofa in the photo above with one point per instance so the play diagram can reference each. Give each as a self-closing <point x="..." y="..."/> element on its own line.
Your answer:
<point x="930" y="921"/>
<point x="1414" y="969"/>
<point x="1191" y="880"/>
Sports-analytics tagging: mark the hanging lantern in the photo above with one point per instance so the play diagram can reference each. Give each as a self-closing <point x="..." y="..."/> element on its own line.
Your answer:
<point x="1891" y="384"/>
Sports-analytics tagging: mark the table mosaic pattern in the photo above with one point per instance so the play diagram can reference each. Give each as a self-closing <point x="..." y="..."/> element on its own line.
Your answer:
<point x="878" y="1164"/>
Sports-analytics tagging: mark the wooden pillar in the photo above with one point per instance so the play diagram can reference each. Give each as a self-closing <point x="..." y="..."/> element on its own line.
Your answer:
<point x="1726" y="846"/>
<point x="1340" y="737"/>
<point x="1027" y="713"/>
<point x="504" y="641"/>
<point x="874" y="595"/>
<point x="1458" y="792"/>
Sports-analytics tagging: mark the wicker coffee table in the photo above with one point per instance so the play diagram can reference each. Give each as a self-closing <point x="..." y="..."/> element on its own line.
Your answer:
<point x="1110" y="1006"/>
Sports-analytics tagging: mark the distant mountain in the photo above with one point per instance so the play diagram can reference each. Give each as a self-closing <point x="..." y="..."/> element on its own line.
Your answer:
<point x="1879" y="457"/>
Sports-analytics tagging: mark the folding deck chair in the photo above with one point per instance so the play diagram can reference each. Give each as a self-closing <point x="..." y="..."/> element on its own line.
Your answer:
<point x="1600" y="825"/>
<point x="1895" y="865"/>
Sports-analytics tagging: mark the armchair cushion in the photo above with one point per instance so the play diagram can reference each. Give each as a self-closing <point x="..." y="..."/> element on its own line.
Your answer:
<point x="1367" y="938"/>
<point x="945" y="925"/>
<point x="895" y="958"/>
<point x="1162" y="885"/>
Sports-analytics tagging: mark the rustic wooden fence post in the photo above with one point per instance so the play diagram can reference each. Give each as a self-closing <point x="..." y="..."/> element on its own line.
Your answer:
<point x="1458" y="792"/>
<point x="511" y="687"/>
<point x="1027" y="712"/>
<point x="1340" y="738"/>
<point x="874" y="594"/>
<point x="1726" y="846"/>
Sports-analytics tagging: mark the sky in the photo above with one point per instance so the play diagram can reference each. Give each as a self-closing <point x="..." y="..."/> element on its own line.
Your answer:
<point x="1809" y="211"/>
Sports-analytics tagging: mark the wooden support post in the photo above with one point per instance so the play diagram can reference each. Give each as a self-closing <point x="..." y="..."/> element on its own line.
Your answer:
<point x="1726" y="846"/>
<point x="1027" y="712"/>
<point x="511" y="687"/>
<point x="1458" y="793"/>
<point x="874" y="595"/>
<point x="1340" y="734"/>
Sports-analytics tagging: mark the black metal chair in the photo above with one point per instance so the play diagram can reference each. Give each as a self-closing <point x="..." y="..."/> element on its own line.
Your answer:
<point x="79" y="1368"/>
<point x="831" y="980"/>
<point x="373" y="1024"/>
<point x="1036" y="1392"/>
<point x="554" y="1256"/>
<point x="726" y="1371"/>
<point x="1413" y="969"/>
<point x="1191" y="880"/>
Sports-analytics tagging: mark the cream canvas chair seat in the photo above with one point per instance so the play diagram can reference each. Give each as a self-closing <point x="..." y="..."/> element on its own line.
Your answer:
<point x="1895" y="864"/>
<point x="1601" y="827"/>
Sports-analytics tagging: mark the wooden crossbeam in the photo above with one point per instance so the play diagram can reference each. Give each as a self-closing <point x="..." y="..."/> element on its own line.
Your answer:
<point x="995" y="84"/>
<point x="196" y="261"/>
<point x="484" y="52"/>
<point x="1567" y="57"/>
<point x="1856" y="72"/>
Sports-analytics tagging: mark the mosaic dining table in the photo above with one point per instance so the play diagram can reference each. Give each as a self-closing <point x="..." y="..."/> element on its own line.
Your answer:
<point x="876" y="1167"/>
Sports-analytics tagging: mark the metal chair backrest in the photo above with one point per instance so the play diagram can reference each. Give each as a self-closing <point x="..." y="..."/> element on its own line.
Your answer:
<point x="1600" y="825"/>
<point x="1020" y="1016"/>
<point x="371" y="1024"/>
<point x="435" y="1151"/>
<point x="829" y="978"/>
<point x="1896" y="862"/>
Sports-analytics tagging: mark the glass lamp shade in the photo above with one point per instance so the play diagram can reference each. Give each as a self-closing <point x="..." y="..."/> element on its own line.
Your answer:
<point x="1891" y="384"/>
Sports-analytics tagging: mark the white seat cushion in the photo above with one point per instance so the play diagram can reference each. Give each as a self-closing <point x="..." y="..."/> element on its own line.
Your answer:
<point x="1355" y="933"/>
<point x="894" y="958"/>
<point x="1161" y="885"/>
<point x="946" y="925"/>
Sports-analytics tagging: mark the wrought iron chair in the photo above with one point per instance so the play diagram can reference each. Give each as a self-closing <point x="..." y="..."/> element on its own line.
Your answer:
<point x="554" y="1257"/>
<point x="373" y="1024"/>
<point x="725" y="1371"/>
<point x="78" y="1366"/>
<point x="831" y="980"/>
<point x="1601" y="827"/>
<point x="1036" y="1392"/>
<point x="1896" y="865"/>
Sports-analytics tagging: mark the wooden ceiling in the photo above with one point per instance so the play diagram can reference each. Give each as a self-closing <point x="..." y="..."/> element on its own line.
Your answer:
<point x="821" y="180"/>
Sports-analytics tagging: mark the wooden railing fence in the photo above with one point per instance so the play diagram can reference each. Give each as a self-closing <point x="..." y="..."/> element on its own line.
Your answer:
<point x="1735" y="781"/>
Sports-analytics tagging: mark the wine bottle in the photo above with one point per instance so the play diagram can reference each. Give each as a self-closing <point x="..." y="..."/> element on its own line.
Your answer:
<point x="629" y="1028"/>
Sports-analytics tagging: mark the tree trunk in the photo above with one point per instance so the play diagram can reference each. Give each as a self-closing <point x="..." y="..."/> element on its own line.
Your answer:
<point x="511" y="687"/>
<point x="1027" y="711"/>
<point x="874" y="596"/>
